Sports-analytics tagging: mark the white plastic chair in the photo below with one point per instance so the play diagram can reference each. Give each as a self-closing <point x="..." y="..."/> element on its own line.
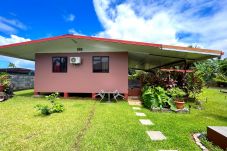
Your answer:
<point x="117" y="94"/>
<point x="101" y="94"/>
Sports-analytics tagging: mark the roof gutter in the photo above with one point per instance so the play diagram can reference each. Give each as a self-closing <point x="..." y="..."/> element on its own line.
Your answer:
<point x="193" y="50"/>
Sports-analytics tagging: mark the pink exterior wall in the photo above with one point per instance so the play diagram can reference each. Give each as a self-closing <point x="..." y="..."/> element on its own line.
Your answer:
<point x="80" y="78"/>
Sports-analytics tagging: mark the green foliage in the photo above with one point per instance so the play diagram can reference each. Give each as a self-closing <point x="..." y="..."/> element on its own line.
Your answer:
<point x="55" y="106"/>
<point x="159" y="78"/>
<point x="176" y="93"/>
<point x="4" y="79"/>
<point x="221" y="78"/>
<point x="208" y="69"/>
<point x="223" y="66"/>
<point x="156" y="97"/>
<point x="11" y="65"/>
<point x="44" y="109"/>
<point x="213" y="71"/>
<point x="114" y="121"/>
<point x="52" y="97"/>
<point x="209" y="145"/>
<point x="135" y="74"/>
<point x="194" y="84"/>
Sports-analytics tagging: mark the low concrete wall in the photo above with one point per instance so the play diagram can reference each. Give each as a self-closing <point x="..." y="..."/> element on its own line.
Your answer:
<point x="21" y="82"/>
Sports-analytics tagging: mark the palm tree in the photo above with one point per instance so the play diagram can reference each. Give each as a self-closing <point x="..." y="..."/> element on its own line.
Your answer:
<point x="11" y="65"/>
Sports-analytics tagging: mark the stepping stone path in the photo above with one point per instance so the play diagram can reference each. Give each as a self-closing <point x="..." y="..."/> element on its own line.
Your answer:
<point x="134" y="101"/>
<point x="146" y="122"/>
<point x="136" y="108"/>
<point x="156" y="135"/>
<point x="140" y="114"/>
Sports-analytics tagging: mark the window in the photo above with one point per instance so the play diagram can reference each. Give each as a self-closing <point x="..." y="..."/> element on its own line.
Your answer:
<point x="59" y="64"/>
<point x="101" y="64"/>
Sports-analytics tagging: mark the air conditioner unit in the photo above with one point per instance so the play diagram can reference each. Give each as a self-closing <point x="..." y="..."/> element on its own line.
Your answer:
<point x="75" y="60"/>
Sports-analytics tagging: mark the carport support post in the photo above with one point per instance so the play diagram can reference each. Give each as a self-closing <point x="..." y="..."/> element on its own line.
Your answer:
<point x="93" y="96"/>
<point x="66" y="95"/>
<point x="186" y="66"/>
<point x="126" y="96"/>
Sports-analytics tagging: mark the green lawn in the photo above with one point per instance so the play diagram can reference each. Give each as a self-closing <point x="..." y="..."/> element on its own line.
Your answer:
<point x="86" y="125"/>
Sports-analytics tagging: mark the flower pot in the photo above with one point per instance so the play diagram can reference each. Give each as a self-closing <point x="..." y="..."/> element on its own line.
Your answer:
<point x="179" y="104"/>
<point x="1" y="88"/>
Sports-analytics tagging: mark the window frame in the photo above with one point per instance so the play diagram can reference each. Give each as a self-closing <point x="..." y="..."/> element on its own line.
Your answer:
<point x="60" y="58"/>
<point x="101" y="64"/>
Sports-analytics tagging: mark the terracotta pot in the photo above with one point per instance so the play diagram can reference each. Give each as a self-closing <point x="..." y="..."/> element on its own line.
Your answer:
<point x="179" y="104"/>
<point x="1" y="88"/>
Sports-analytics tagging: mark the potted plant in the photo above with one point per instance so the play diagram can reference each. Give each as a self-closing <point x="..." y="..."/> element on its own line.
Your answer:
<point x="4" y="81"/>
<point x="177" y="95"/>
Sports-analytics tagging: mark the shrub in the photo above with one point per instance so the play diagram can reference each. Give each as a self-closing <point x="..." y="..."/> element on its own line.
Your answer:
<point x="55" y="107"/>
<point x="44" y="109"/>
<point x="52" y="97"/>
<point x="208" y="69"/>
<point x="223" y="66"/>
<point x="176" y="93"/>
<point x="220" y="78"/>
<point x="194" y="84"/>
<point x="156" y="97"/>
<point x="4" y="79"/>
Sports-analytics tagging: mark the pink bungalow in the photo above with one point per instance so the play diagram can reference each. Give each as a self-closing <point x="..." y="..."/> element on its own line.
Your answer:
<point x="82" y="64"/>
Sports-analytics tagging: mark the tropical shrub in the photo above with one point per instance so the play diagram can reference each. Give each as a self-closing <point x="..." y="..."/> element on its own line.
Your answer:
<point x="156" y="97"/>
<point x="221" y="79"/>
<point x="54" y="108"/>
<point x="57" y="108"/>
<point x="4" y="79"/>
<point x="208" y="69"/>
<point x="158" y="78"/>
<point x="194" y="84"/>
<point x="44" y="109"/>
<point x="176" y="93"/>
<point x="135" y="75"/>
<point x="223" y="66"/>
<point x="52" y="97"/>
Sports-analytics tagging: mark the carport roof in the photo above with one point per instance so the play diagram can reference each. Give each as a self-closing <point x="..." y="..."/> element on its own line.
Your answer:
<point x="141" y="55"/>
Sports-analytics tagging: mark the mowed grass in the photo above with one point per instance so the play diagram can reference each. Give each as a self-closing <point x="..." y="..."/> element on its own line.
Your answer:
<point x="22" y="128"/>
<point x="112" y="126"/>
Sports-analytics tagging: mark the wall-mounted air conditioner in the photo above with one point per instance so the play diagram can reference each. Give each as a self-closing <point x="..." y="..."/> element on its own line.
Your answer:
<point x="75" y="60"/>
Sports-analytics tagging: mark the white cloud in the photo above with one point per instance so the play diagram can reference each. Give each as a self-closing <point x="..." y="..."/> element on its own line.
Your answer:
<point x="74" y="32"/>
<point x="69" y="17"/>
<point x="161" y="21"/>
<point x="10" y="25"/>
<point x="12" y="39"/>
<point x="17" y="62"/>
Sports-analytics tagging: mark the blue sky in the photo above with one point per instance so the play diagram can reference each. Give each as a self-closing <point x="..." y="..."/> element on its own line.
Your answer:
<point x="182" y="22"/>
<point x="44" y="19"/>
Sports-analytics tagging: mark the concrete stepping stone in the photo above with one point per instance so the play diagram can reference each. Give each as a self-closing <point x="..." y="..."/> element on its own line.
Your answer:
<point x="140" y="114"/>
<point x="134" y="102"/>
<point x="146" y="122"/>
<point x="136" y="108"/>
<point x="156" y="135"/>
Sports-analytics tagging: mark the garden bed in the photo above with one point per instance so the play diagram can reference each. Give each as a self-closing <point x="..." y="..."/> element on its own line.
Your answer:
<point x="184" y="110"/>
<point x="204" y="144"/>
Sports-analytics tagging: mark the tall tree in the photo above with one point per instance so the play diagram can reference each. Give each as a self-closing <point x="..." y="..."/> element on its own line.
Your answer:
<point x="11" y="65"/>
